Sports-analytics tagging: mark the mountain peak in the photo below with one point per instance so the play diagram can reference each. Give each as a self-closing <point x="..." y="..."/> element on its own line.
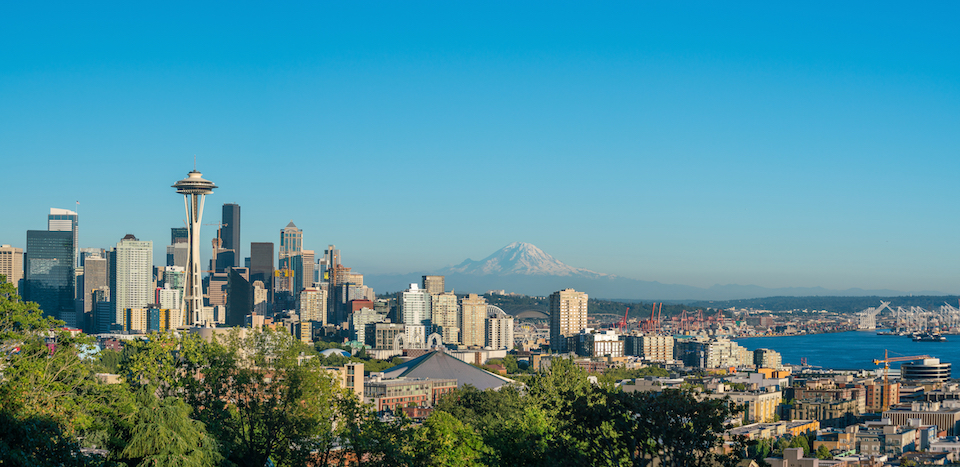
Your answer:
<point x="519" y="258"/>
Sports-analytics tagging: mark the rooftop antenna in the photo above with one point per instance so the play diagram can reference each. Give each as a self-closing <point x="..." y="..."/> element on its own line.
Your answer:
<point x="194" y="162"/>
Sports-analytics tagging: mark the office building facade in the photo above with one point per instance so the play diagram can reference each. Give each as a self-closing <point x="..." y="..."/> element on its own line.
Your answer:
<point x="230" y="233"/>
<point x="49" y="274"/>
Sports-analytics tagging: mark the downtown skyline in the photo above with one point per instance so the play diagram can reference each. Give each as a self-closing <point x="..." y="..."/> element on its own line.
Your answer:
<point x="772" y="146"/>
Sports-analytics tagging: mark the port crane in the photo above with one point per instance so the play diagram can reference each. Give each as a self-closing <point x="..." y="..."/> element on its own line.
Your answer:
<point x="886" y="369"/>
<point x="622" y="324"/>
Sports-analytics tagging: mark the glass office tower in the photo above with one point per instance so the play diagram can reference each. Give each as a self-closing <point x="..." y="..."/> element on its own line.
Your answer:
<point x="49" y="277"/>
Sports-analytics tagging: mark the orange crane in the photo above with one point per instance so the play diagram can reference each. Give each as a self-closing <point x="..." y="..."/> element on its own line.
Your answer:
<point x="886" y="369"/>
<point x="623" y="322"/>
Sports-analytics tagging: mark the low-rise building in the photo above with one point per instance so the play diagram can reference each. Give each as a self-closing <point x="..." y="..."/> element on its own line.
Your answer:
<point x="758" y="406"/>
<point x="349" y="376"/>
<point x="945" y="415"/>
<point x="397" y="393"/>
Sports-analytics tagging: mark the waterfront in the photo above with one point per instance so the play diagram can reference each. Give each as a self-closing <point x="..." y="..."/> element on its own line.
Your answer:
<point x="854" y="350"/>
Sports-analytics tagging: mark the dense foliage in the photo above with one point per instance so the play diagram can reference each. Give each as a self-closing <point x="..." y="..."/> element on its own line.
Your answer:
<point x="250" y="398"/>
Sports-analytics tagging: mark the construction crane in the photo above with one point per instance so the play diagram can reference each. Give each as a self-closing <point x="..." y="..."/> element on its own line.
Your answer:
<point x="623" y="321"/>
<point x="886" y="369"/>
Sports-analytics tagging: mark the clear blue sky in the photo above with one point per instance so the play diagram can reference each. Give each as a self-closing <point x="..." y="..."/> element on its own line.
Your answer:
<point x="800" y="144"/>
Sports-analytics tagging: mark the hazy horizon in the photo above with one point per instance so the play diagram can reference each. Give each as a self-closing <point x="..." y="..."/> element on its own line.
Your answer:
<point x="698" y="144"/>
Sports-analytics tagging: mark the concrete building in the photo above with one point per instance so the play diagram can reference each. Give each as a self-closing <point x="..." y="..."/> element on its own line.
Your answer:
<point x="49" y="274"/>
<point x="473" y="314"/>
<point x="261" y="266"/>
<point x="758" y="406"/>
<point x="133" y="287"/>
<point x="261" y="304"/>
<point x="591" y="343"/>
<point x="499" y="329"/>
<point x="712" y="353"/>
<point x="104" y="313"/>
<point x="434" y="285"/>
<point x="383" y="336"/>
<point x="94" y="277"/>
<point x="359" y="320"/>
<point x="766" y="358"/>
<point x="11" y="264"/>
<point x="413" y="306"/>
<point x="312" y="306"/>
<point x="306" y="272"/>
<point x="446" y="315"/>
<point x="793" y="457"/>
<point x="350" y="377"/>
<point x="945" y="415"/>
<point x="830" y="413"/>
<point x="395" y="394"/>
<point x="929" y="370"/>
<point x="656" y="347"/>
<point x="568" y="315"/>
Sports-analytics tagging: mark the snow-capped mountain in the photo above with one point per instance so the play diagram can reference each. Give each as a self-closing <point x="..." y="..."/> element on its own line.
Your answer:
<point x="519" y="258"/>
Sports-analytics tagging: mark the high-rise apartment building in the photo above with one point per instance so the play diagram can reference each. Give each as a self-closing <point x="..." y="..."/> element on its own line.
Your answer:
<point x="446" y="315"/>
<point x="473" y="315"/>
<point x="230" y="233"/>
<point x="64" y="220"/>
<point x="306" y="273"/>
<point x="433" y="284"/>
<point x="568" y="315"/>
<point x="499" y="329"/>
<point x="312" y="306"/>
<point x="11" y="264"/>
<point x="133" y="286"/>
<point x="49" y="277"/>
<point x="261" y="266"/>
<point x="414" y="306"/>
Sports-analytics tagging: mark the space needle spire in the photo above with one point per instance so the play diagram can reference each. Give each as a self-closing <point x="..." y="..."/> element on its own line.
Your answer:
<point x="193" y="188"/>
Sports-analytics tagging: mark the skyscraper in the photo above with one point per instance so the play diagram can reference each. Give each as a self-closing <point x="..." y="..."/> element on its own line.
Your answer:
<point x="306" y="274"/>
<point x="414" y="306"/>
<point x="568" y="315"/>
<point x="230" y="233"/>
<point x="194" y="188"/>
<point x="63" y="220"/>
<point x="49" y="277"/>
<point x="473" y="315"/>
<point x="133" y="286"/>
<point x="11" y="264"/>
<point x="261" y="266"/>
<point x="94" y="277"/>
<point x="446" y="314"/>
<point x="433" y="284"/>
<point x="239" y="296"/>
<point x="291" y="260"/>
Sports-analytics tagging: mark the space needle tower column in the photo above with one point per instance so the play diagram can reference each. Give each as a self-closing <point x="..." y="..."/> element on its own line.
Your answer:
<point x="193" y="188"/>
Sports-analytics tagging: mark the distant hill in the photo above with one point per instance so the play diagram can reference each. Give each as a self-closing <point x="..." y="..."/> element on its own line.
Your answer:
<point x="523" y="268"/>
<point x="835" y="304"/>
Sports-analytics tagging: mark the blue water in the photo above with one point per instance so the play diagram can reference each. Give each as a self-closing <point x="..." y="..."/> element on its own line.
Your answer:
<point x="855" y="349"/>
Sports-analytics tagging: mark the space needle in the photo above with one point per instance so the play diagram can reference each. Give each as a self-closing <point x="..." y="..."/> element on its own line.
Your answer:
<point x="193" y="188"/>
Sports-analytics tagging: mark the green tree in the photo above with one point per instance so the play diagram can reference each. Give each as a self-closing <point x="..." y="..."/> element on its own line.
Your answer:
<point x="262" y="401"/>
<point x="161" y="433"/>
<point x="445" y="441"/>
<point x="823" y="452"/>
